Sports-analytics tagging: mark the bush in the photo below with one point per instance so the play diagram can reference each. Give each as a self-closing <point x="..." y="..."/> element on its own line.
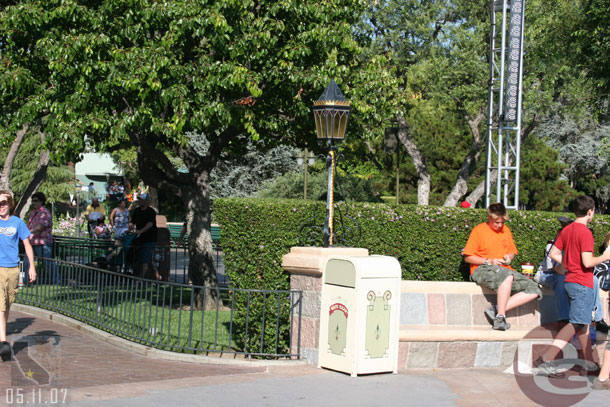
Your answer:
<point x="426" y="240"/>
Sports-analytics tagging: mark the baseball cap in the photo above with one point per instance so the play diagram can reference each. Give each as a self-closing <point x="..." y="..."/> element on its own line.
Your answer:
<point x="564" y="220"/>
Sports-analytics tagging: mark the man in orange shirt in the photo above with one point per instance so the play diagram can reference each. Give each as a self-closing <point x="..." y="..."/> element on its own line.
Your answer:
<point x="489" y="251"/>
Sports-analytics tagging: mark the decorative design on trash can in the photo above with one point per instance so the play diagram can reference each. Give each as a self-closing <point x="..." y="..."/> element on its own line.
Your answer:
<point x="377" y="341"/>
<point x="337" y="328"/>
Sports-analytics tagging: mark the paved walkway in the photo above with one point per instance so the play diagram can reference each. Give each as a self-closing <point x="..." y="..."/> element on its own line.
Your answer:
<point x="56" y="364"/>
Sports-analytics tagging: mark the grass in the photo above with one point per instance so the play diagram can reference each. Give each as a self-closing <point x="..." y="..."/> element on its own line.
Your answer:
<point x="156" y="315"/>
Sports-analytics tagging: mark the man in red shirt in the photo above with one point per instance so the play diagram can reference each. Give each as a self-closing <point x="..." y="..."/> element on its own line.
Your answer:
<point x="489" y="251"/>
<point x="574" y="249"/>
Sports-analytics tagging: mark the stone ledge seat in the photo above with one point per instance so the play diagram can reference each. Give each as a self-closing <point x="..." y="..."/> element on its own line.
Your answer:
<point x="427" y="333"/>
<point x="443" y="325"/>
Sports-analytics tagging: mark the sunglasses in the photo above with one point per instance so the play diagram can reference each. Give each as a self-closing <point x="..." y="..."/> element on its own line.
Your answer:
<point x="3" y="203"/>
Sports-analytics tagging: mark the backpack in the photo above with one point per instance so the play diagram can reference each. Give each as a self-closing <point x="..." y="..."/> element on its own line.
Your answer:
<point x="602" y="271"/>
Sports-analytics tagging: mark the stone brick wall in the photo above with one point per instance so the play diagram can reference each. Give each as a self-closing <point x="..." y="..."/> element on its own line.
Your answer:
<point x="442" y="324"/>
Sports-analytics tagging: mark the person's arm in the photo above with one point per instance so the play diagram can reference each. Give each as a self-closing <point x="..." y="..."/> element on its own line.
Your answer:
<point x="508" y="258"/>
<point x="556" y="255"/>
<point x="145" y="228"/>
<point x="112" y="217"/>
<point x="477" y="260"/>
<point x="560" y="269"/>
<point x="589" y="261"/>
<point x="30" y="255"/>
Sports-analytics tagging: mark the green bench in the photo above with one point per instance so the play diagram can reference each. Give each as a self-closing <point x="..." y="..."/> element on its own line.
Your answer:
<point x="176" y="228"/>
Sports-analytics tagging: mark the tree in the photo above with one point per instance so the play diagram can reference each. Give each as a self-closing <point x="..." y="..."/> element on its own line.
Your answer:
<point x="439" y="50"/>
<point x="144" y="73"/>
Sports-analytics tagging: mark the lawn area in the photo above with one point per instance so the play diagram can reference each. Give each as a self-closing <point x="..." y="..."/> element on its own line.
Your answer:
<point x="158" y="315"/>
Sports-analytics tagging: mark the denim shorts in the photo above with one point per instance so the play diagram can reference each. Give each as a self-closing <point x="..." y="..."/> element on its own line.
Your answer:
<point x="582" y="302"/>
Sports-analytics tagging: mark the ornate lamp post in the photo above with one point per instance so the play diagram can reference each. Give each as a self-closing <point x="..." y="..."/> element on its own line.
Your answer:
<point x="331" y="112"/>
<point x="306" y="159"/>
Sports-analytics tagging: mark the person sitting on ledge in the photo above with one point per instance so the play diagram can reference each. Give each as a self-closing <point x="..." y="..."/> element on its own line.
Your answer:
<point x="489" y="251"/>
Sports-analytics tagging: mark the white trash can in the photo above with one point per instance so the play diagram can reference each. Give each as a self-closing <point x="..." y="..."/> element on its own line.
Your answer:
<point x="360" y="314"/>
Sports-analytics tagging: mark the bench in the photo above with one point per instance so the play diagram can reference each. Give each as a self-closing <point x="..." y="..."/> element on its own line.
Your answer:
<point x="442" y="325"/>
<point x="175" y="228"/>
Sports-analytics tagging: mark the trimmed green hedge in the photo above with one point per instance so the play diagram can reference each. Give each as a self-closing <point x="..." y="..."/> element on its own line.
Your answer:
<point x="426" y="240"/>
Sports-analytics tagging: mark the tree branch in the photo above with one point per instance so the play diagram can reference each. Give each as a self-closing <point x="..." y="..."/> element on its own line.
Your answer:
<point x="10" y="158"/>
<point x="39" y="176"/>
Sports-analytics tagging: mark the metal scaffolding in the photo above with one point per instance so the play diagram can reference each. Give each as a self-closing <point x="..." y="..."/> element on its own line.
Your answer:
<point x="504" y="112"/>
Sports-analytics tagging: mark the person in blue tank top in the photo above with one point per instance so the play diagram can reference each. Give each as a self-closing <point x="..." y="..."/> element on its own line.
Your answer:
<point x="12" y="231"/>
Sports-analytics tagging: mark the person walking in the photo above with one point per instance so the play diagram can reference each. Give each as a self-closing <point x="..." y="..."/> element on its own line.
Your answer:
<point x="12" y="231"/>
<point x="574" y="250"/>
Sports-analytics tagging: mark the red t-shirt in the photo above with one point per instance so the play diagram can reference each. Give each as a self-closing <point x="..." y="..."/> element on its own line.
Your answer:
<point x="572" y="241"/>
<point x="487" y="243"/>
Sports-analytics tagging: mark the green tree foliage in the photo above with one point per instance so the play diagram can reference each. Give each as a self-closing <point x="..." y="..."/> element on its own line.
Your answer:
<point x="144" y="73"/>
<point x="439" y="54"/>
<point x="290" y="186"/>
<point x="56" y="187"/>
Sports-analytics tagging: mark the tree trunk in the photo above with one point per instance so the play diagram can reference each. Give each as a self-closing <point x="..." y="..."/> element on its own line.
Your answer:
<point x="39" y="176"/>
<point x="479" y="191"/>
<point x="469" y="165"/>
<point x="194" y="190"/>
<point x="153" y="195"/>
<point x="201" y="259"/>
<point x="10" y="158"/>
<point x="372" y="156"/>
<point x="423" y="183"/>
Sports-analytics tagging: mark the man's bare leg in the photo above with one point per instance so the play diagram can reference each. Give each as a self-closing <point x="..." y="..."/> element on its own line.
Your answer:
<point x="604" y="372"/>
<point x="3" y="322"/>
<point x="585" y="343"/>
<point x="504" y="294"/>
<point x="563" y="337"/>
<point x="519" y="299"/>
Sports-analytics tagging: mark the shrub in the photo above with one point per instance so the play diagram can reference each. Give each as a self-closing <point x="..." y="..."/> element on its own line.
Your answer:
<point x="426" y="240"/>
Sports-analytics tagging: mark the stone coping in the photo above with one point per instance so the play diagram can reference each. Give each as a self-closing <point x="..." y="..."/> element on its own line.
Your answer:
<point x="457" y="287"/>
<point x="449" y="287"/>
<point x="427" y="333"/>
<point x="311" y="260"/>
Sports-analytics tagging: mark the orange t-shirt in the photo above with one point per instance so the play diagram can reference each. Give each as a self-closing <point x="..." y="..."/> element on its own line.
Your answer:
<point x="487" y="243"/>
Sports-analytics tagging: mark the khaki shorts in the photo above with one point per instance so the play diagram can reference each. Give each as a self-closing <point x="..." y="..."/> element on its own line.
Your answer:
<point x="9" y="284"/>
<point x="493" y="276"/>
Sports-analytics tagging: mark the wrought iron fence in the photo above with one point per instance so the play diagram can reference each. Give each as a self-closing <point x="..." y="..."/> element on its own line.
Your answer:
<point x="164" y="315"/>
<point x="122" y="256"/>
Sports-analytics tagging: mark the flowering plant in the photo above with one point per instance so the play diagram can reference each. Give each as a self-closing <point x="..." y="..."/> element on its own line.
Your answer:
<point x="66" y="225"/>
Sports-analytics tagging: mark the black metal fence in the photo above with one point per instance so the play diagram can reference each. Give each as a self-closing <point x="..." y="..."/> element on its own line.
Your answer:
<point x="172" y="261"/>
<point x="260" y="323"/>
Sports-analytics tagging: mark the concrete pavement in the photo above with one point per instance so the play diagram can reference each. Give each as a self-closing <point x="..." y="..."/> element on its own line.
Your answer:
<point x="58" y="362"/>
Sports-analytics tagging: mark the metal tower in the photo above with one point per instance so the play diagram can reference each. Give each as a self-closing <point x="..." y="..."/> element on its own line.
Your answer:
<point x="504" y="112"/>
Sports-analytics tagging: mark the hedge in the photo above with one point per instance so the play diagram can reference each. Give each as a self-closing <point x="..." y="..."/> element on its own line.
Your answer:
<point x="426" y="240"/>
